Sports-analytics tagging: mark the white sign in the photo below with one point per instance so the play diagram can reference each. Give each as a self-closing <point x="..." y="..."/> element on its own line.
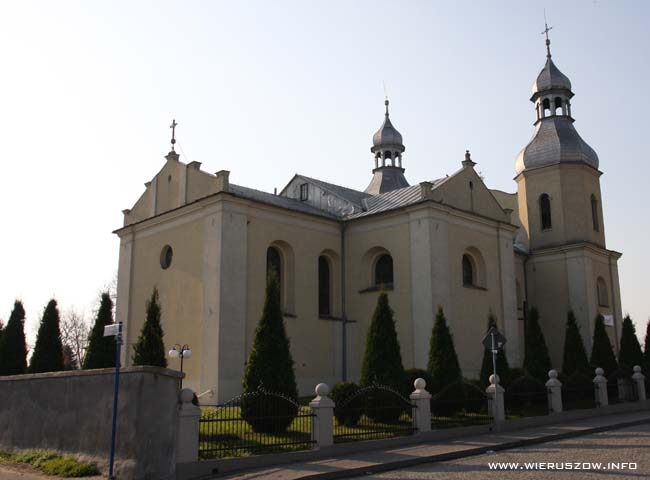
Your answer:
<point x="609" y="320"/>
<point x="111" y="330"/>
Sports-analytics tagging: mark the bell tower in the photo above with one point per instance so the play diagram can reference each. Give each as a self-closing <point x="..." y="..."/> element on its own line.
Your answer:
<point x="568" y="266"/>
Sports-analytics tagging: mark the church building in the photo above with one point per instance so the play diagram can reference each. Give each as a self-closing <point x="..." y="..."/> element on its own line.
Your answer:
<point x="206" y="244"/>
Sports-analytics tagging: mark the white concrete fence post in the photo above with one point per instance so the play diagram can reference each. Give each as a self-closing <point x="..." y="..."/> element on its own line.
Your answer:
<point x="639" y="379"/>
<point x="601" y="388"/>
<point x="554" y="388"/>
<point x="422" y="406"/>
<point x="496" y="402"/>
<point x="323" y="408"/>
<point x="187" y="436"/>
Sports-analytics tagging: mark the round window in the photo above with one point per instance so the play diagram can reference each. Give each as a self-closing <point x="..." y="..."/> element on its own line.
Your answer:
<point x="166" y="257"/>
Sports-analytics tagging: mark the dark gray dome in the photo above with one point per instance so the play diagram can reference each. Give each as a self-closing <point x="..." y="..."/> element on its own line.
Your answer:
<point x="551" y="78"/>
<point x="387" y="135"/>
<point x="555" y="141"/>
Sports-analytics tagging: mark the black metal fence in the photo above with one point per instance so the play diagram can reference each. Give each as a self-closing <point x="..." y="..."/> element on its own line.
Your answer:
<point x="460" y="404"/>
<point x="527" y="397"/>
<point x="373" y="413"/>
<point x="252" y="424"/>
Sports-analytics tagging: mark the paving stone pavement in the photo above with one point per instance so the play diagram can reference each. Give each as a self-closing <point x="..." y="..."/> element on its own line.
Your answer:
<point x="398" y="458"/>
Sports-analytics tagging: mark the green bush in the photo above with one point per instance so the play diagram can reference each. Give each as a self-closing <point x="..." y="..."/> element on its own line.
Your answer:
<point x="384" y="405"/>
<point x="537" y="361"/>
<point x="578" y="391"/>
<point x="48" y="351"/>
<point x="458" y="397"/>
<point x="149" y="348"/>
<point x="443" y="363"/>
<point x="13" y="350"/>
<point x="348" y="407"/>
<point x="270" y="367"/>
<point x="526" y="392"/>
<point x="630" y="353"/>
<point x="101" y="349"/>
<point x="575" y="359"/>
<point x="602" y="353"/>
<point x="382" y="359"/>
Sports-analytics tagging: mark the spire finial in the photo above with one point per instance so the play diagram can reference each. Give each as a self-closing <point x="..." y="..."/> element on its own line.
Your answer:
<point x="545" y="32"/>
<point x="173" y="127"/>
<point x="468" y="162"/>
<point x="386" y="102"/>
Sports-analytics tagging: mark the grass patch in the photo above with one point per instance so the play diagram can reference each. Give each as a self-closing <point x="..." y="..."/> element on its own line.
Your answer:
<point x="51" y="463"/>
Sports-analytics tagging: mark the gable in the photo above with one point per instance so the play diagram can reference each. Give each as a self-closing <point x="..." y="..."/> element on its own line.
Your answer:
<point x="339" y="201"/>
<point x="466" y="191"/>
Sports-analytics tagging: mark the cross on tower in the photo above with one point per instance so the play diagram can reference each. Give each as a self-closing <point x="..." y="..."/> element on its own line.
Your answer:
<point x="545" y="32"/>
<point x="173" y="127"/>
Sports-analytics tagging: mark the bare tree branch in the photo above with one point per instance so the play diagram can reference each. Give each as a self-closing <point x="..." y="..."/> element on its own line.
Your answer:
<point x="74" y="333"/>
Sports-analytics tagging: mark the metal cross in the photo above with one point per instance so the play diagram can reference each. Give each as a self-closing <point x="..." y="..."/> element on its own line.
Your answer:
<point x="173" y="127"/>
<point x="545" y="32"/>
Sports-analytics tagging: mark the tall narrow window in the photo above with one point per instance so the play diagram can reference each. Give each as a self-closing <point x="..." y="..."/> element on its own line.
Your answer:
<point x="468" y="271"/>
<point x="274" y="266"/>
<point x="545" y="211"/>
<point x="324" y="279"/>
<point x="384" y="271"/>
<point x="594" y="213"/>
<point x="304" y="191"/>
<point x="601" y="291"/>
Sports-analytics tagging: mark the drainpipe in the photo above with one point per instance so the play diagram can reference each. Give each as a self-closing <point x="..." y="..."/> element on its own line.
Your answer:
<point x="611" y="283"/>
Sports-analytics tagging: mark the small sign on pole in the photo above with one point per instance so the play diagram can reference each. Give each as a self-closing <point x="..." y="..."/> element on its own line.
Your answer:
<point x="494" y="335"/>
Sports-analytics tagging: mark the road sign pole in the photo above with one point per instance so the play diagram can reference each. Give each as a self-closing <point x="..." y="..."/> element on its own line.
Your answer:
<point x="116" y="391"/>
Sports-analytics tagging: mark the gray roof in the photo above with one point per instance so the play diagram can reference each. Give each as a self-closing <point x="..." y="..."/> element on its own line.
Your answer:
<point x="385" y="179"/>
<point x="551" y="78"/>
<point x="277" y="200"/>
<point x="353" y="196"/>
<point x="387" y="135"/>
<point x="555" y="141"/>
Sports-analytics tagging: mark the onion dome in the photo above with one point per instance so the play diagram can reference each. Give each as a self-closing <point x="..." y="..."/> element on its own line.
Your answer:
<point x="387" y="135"/>
<point x="551" y="78"/>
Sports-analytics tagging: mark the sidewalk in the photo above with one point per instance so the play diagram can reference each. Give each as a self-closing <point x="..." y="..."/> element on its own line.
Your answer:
<point x="395" y="458"/>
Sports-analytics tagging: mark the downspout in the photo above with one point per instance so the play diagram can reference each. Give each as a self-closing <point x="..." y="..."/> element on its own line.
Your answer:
<point x="503" y="320"/>
<point x="344" y="318"/>
<point x="611" y="282"/>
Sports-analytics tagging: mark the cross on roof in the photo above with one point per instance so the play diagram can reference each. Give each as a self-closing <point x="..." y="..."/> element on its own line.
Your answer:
<point x="173" y="127"/>
<point x="545" y="32"/>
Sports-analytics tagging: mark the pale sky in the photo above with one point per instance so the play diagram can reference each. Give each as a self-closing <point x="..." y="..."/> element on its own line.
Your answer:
<point x="266" y="89"/>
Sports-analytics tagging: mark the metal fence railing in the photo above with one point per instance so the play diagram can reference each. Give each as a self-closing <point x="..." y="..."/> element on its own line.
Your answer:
<point x="372" y="413"/>
<point x="253" y="424"/>
<point x="460" y="404"/>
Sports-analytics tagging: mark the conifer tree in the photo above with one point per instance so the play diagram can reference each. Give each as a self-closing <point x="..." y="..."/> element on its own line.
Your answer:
<point x="646" y="350"/>
<point x="270" y="369"/>
<point x="630" y="353"/>
<point x="537" y="361"/>
<point x="443" y="362"/>
<point x="382" y="360"/>
<point x="602" y="353"/>
<point x="69" y="360"/>
<point x="575" y="358"/>
<point x="48" y="351"/>
<point x="13" y="350"/>
<point x="149" y="349"/>
<point x="101" y="349"/>
<point x="503" y="369"/>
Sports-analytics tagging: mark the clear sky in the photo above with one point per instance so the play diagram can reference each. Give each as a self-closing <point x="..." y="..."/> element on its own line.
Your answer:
<point x="266" y="89"/>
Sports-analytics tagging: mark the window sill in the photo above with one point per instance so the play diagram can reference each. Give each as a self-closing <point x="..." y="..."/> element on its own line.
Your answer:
<point x="289" y="315"/>
<point x="475" y="287"/>
<point x="332" y="318"/>
<point x="377" y="288"/>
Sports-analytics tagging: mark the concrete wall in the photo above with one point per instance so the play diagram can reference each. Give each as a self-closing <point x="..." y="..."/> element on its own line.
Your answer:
<point x="72" y="411"/>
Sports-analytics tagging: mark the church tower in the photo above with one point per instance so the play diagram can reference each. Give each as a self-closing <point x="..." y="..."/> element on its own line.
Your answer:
<point x="387" y="147"/>
<point x="560" y="210"/>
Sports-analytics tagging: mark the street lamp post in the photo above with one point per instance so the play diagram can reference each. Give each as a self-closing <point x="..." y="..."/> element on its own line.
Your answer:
<point x="180" y="351"/>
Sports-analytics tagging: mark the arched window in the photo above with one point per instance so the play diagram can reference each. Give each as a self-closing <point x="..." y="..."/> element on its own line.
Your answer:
<point x="558" y="105"/>
<point x="594" y="213"/>
<point x="384" y="271"/>
<point x="546" y="105"/>
<point x="601" y="291"/>
<point x="274" y="265"/>
<point x="324" y="286"/>
<point x="545" y="211"/>
<point x="468" y="271"/>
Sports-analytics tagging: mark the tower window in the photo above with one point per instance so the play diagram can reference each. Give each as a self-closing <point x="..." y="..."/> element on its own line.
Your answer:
<point x="384" y="271"/>
<point x="558" y="105"/>
<point x="594" y="213"/>
<point x="601" y="291"/>
<point x="546" y="105"/>
<point x="304" y="191"/>
<point x="468" y="271"/>
<point x="324" y="295"/>
<point x="545" y="211"/>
